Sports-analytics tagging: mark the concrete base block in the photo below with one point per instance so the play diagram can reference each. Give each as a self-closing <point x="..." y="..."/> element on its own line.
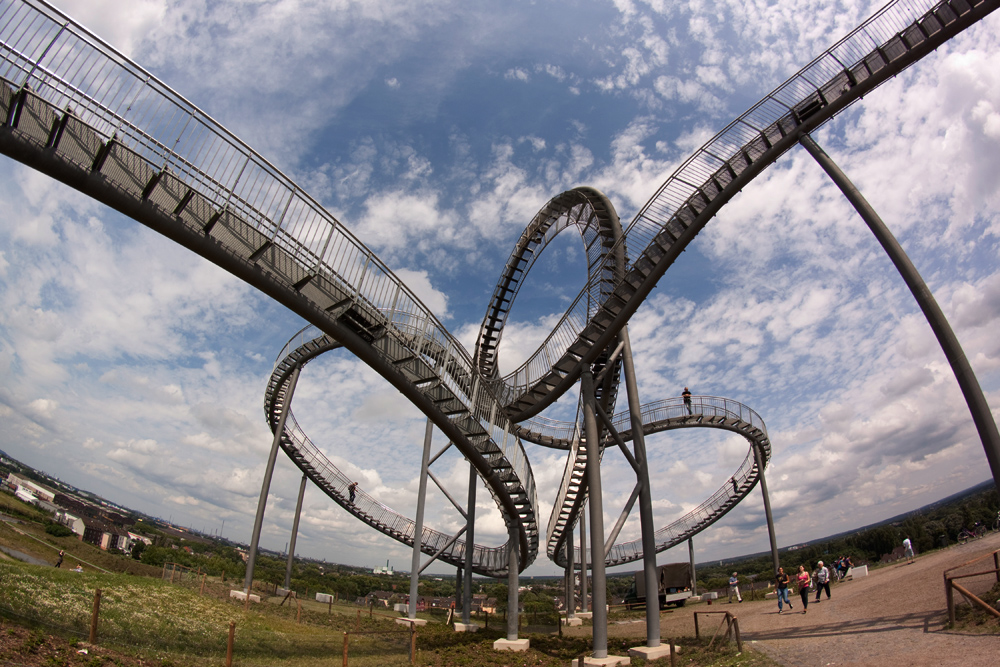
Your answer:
<point x="511" y="645"/>
<point x="466" y="627"/>
<point x="572" y="622"/>
<point x="419" y="622"/>
<point x="649" y="654"/>
<point x="603" y="662"/>
<point x="240" y="595"/>
<point x="585" y="614"/>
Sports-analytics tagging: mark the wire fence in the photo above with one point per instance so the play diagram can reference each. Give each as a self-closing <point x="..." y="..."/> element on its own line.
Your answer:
<point x="368" y="639"/>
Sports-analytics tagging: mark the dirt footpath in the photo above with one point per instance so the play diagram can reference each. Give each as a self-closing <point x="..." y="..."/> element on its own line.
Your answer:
<point x="894" y="616"/>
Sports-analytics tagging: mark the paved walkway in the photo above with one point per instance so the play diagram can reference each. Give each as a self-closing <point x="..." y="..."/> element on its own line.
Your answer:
<point x="893" y="617"/>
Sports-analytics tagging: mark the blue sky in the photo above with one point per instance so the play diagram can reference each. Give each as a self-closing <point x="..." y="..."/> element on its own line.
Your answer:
<point x="435" y="131"/>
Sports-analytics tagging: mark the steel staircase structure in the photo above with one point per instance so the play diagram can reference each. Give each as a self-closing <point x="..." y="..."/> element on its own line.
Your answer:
<point x="74" y="108"/>
<point x="306" y="345"/>
<point x="77" y="110"/>
<point x="659" y="416"/>
<point x="900" y="34"/>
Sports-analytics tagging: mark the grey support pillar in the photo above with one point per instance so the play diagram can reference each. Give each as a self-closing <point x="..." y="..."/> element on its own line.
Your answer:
<point x="980" y="409"/>
<point x="418" y="528"/>
<point x="645" y="497"/>
<point x="600" y="591"/>
<point x="767" y="508"/>
<point x="470" y="544"/>
<point x="513" y="562"/>
<point x="295" y="534"/>
<point x="570" y="578"/>
<point x="584" y="604"/>
<point x="694" y="574"/>
<point x="265" y="486"/>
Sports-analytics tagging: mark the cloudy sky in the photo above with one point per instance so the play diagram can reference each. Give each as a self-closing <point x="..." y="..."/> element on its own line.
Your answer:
<point x="435" y="130"/>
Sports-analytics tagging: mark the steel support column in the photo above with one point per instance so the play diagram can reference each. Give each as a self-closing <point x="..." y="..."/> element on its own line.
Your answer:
<point x="513" y="561"/>
<point x="980" y="409"/>
<point x="418" y="528"/>
<point x="592" y="439"/>
<point x="295" y="534"/>
<point x="265" y="486"/>
<point x="694" y="575"/>
<point x="584" y="604"/>
<point x="570" y="578"/>
<point x="759" y="458"/>
<point x="470" y="542"/>
<point x="645" y="497"/>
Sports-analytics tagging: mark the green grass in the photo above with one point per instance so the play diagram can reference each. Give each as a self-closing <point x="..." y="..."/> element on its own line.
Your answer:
<point x="175" y="624"/>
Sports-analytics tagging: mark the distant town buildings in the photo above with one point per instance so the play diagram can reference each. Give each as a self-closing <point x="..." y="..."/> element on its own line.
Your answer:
<point x="100" y="523"/>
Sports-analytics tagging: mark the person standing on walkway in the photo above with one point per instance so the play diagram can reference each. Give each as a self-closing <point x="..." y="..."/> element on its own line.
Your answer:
<point x="822" y="581"/>
<point x="734" y="589"/>
<point x="686" y="395"/>
<point x="804" y="580"/>
<point x="60" y="559"/>
<point x="782" y="580"/>
<point x="908" y="547"/>
<point x="352" y="490"/>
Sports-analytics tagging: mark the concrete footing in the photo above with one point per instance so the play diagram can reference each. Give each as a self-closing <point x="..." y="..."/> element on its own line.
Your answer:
<point x="466" y="627"/>
<point x="649" y="654"/>
<point x="603" y="662"/>
<point x="585" y="614"/>
<point x="511" y="645"/>
<point x="419" y="622"/>
<point x="572" y="622"/>
<point x="240" y="595"/>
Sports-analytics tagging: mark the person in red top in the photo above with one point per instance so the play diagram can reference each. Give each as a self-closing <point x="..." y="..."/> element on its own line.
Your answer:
<point x="804" y="580"/>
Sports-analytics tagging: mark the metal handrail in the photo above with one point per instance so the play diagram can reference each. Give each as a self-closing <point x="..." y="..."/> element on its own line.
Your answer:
<point x="47" y="55"/>
<point x="666" y="414"/>
<point x="822" y="78"/>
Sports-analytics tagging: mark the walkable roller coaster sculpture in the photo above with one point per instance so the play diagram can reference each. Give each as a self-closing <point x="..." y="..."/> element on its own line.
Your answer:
<point x="76" y="109"/>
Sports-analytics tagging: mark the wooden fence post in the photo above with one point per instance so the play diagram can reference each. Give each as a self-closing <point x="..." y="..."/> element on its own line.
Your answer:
<point x="413" y="643"/>
<point x="298" y="613"/>
<point x="93" y="618"/>
<point x="203" y="578"/>
<point x="357" y="624"/>
<point x="229" y="644"/>
<point x="996" y="563"/>
<point x="673" y="655"/>
<point x="949" y="595"/>
<point x="345" y="647"/>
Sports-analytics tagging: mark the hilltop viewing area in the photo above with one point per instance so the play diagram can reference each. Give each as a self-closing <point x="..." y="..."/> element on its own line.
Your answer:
<point x="719" y="345"/>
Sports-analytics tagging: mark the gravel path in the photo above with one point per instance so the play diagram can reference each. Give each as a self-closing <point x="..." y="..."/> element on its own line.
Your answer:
<point x="894" y="616"/>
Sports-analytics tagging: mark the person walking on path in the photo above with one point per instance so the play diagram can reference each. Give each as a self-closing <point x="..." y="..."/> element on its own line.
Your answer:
<point x="352" y="490"/>
<point x="734" y="589"/>
<point x="822" y="581"/>
<point x="908" y="547"/>
<point x="60" y="559"/>
<point x="804" y="580"/>
<point x="686" y="395"/>
<point x="782" y="580"/>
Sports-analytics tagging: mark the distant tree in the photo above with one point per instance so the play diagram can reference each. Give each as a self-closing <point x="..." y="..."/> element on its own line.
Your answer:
<point x="57" y="529"/>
